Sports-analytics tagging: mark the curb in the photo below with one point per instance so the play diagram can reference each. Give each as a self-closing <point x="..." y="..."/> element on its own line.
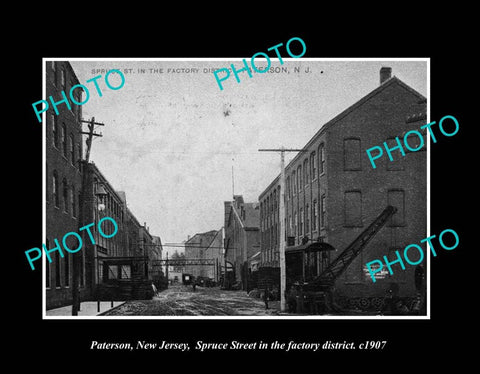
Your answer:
<point x="108" y="310"/>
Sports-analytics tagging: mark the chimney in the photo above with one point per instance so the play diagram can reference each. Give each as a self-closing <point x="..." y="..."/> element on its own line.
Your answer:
<point x="385" y="74"/>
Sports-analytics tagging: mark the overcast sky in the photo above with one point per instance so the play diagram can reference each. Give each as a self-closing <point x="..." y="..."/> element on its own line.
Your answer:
<point x="171" y="138"/>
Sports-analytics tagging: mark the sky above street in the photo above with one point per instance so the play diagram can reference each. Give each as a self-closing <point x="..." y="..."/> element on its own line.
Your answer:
<point x="172" y="138"/>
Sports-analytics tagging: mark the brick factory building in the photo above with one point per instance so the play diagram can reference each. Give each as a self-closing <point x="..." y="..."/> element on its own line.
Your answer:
<point x="333" y="193"/>
<point x="65" y="168"/>
<point x="63" y="147"/>
<point x="242" y="236"/>
<point x="206" y="247"/>
<point x="118" y="267"/>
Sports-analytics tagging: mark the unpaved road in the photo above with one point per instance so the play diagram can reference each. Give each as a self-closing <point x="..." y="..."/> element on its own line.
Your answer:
<point x="179" y="300"/>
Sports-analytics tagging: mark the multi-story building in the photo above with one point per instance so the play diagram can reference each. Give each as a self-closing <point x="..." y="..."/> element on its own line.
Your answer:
<point x="118" y="266"/>
<point x="206" y="247"/>
<point x="333" y="193"/>
<point x="242" y="236"/>
<point x="63" y="146"/>
<point x="102" y="200"/>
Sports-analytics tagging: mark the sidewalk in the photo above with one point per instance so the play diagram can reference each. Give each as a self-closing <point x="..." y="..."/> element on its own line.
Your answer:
<point x="87" y="308"/>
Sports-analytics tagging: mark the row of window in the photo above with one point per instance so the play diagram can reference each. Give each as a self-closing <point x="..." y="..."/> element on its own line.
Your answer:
<point x="298" y="224"/>
<point x="63" y="142"/>
<point x="112" y="207"/>
<point x="307" y="172"/>
<point x="61" y="278"/>
<point x="309" y="219"/>
<point x="58" y="76"/>
<point x="62" y="194"/>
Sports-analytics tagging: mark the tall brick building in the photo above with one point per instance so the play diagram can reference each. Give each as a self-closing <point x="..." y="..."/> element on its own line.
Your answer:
<point x="63" y="149"/>
<point x="333" y="193"/>
<point x="242" y="235"/>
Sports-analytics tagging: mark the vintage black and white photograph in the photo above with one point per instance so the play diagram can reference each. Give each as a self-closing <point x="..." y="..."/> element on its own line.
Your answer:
<point x="214" y="189"/>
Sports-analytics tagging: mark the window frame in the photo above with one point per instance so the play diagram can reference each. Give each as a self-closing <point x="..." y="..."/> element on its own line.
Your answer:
<point x="358" y="155"/>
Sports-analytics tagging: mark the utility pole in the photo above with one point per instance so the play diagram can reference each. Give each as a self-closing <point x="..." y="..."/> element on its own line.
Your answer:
<point x="283" y="275"/>
<point x="76" y="258"/>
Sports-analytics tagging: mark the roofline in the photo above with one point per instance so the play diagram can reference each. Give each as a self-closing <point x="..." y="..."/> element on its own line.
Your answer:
<point x="97" y="171"/>
<point x="342" y="114"/>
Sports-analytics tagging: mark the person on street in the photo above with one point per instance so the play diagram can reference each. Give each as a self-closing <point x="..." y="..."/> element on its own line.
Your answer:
<point x="265" y="297"/>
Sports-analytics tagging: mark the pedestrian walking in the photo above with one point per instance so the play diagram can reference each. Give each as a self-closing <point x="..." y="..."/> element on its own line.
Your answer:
<point x="266" y="294"/>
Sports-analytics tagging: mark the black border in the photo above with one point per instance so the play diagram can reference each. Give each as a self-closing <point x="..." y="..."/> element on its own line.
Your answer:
<point x="451" y="299"/>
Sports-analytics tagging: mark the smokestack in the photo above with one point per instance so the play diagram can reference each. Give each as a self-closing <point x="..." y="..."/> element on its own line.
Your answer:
<point x="385" y="74"/>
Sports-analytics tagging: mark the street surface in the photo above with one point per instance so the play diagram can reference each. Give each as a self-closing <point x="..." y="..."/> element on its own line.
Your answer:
<point x="180" y="300"/>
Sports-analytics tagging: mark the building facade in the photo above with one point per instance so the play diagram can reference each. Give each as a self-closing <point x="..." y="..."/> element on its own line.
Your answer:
<point x="332" y="192"/>
<point x="242" y="237"/>
<point x="208" y="247"/>
<point x="63" y="172"/>
<point x="102" y="200"/>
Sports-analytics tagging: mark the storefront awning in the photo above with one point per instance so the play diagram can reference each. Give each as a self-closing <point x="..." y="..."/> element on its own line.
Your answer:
<point x="310" y="247"/>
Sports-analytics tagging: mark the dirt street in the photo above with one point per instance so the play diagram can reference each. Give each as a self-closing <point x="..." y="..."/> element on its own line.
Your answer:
<point x="179" y="300"/>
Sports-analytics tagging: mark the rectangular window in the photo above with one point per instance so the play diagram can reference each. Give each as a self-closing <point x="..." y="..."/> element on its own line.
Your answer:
<point x="63" y="79"/>
<point x="64" y="140"/>
<point x="55" y="132"/>
<point x="306" y="175"/>
<point x="396" y="198"/>
<point x="294" y="182"/>
<point x="66" y="200"/>
<point x="307" y="220"/>
<point x="82" y="270"/>
<point x="47" y="268"/>
<point x="323" y="211"/>
<point x="66" y="261"/>
<point x="55" y="195"/>
<point x="288" y="188"/>
<point x="72" y="150"/>
<point x="352" y="154"/>
<point x="72" y="201"/>
<point x="353" y="208"/>
<point x="125" y="272"/>
<point x="315" y="215"/>
<point x="295" y="225"/>
<point x="321" y="158"/>
<point x="57" y="270"/>
<point x="299" y="178"/>
<point x="300" y="228"/>
<point x="313" y="166"/>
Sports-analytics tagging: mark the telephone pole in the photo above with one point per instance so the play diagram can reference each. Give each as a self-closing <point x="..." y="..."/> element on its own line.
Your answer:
<point x="283" y="276"/>
<point x="76" y="257"/>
